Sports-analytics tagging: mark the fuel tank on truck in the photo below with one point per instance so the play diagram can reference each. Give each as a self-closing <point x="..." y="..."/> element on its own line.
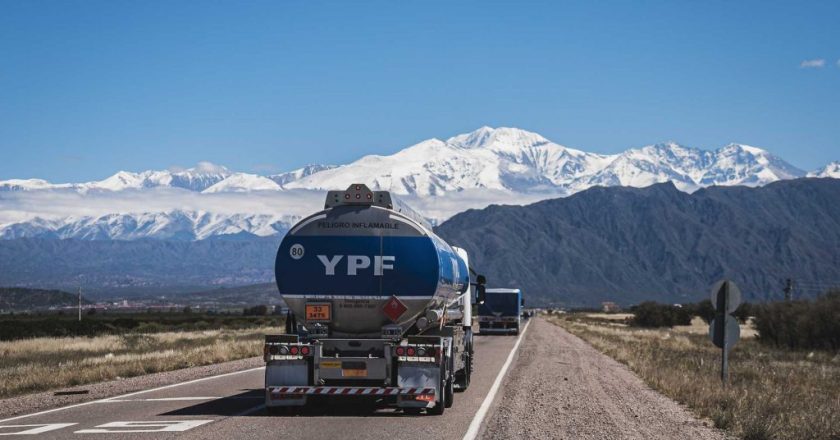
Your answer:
<point x="366" y="261"/>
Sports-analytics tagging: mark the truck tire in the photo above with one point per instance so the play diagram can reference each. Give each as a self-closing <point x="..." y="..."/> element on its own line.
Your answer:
<point x="440" y="404"/>
<point x="449" y="392"/>
<point x="462" y="377"/>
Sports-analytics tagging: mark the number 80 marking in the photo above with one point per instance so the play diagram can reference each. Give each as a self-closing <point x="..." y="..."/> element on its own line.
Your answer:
<point x="296" y="251"/>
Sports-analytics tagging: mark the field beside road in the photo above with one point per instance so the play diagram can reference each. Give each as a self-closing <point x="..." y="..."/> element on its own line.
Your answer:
<point x="39" y="324"/>
<point x="773" y="393"/>
<point x="40" y="364"/>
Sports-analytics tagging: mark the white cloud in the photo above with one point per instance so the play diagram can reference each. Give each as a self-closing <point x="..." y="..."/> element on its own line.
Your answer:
<point x="812" y="64"/>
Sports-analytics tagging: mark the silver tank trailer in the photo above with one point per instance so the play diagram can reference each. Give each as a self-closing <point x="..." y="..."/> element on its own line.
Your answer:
<point x="365" y="262"/>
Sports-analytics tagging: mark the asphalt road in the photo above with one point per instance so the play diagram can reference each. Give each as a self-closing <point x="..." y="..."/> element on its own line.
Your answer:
<point x="231" y="406"/>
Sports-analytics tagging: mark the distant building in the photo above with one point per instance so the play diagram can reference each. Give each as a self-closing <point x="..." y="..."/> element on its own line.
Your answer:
<point x="610" y="307"/>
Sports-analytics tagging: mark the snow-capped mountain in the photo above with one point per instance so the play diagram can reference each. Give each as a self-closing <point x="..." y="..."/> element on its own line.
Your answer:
<point x="30" y="185"/>
<point x="520" y="161"/>
<point x="198" y="178"/>
<point x="243" y="182"/>
<point x="830" y="170"/>
<point x="502" y="159"/>
<point x="288" y="177"/>
<point x="173" y="225"/>
<point x="443" y="177"/>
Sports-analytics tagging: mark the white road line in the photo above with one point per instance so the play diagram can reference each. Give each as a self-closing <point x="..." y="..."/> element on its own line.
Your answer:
<point x="164" y="399"/>
<point x="129" y="395"/>
<point x="475" y="425"/>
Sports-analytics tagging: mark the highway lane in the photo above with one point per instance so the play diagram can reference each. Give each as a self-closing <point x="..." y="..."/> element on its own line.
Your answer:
<point x="231" y="406"/>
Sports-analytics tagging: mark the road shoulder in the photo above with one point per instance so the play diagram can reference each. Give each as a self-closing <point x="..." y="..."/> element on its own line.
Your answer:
<point x="561" y="387"/>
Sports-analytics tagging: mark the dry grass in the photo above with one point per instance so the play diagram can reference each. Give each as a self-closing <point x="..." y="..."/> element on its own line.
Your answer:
<point x="41" y="364"/>
<point x="773" y="394"/>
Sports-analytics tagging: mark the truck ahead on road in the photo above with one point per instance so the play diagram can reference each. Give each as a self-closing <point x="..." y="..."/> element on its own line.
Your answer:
<point x="501" y="312"/>
<point x="380" y="308"/>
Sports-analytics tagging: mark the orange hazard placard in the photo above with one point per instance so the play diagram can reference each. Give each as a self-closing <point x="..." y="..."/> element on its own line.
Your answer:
<point x="318" y="312"/>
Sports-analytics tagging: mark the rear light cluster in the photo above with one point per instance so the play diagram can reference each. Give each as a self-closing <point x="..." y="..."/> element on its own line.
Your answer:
<point x="287" y="350"/>
<point x="419" y="351"/>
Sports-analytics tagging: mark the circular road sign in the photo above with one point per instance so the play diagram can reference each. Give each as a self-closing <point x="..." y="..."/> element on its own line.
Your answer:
<point x="731" y="295"/>
<point x="729" y="335"/>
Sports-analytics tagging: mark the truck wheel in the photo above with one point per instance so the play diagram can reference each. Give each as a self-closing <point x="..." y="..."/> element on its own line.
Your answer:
<point x="449" y="393"/>
<point x="462" y="377"/>
<point x="440" y="403"/>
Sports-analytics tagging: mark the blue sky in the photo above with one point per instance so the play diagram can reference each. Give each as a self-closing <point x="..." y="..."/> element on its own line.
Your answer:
<point x="91" y="87"/>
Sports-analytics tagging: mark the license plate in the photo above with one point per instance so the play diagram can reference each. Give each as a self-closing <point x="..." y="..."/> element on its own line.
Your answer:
<point x="354" y="373"/>
<point x="318" y="312"/>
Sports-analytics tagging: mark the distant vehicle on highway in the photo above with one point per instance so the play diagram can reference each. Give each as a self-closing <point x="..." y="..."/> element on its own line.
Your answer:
<point x="501" y="312"/>
<point x="380" y="308"/>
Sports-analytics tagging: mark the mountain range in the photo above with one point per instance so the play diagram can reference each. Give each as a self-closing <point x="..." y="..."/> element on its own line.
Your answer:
<point x="618" y="244"/>
<point x="629" y="245"/>
<point x="441" y="177"/>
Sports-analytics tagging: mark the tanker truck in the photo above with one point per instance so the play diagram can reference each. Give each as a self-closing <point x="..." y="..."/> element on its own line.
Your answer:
<point x="380" y="308"/>
<point x="501" y="312"/>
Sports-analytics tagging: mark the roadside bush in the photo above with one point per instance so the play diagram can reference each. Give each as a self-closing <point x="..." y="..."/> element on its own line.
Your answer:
<point x="652" y="314"/>
<point x="703" y="309"/>
<point x="706" y="311"/>
<point x="260" y="310"/>
<point x="800" y="324"/>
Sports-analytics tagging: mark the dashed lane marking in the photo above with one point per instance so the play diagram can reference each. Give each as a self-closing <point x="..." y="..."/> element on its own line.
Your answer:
<point x="124" y="396"/>
<point x="34" y="429"/>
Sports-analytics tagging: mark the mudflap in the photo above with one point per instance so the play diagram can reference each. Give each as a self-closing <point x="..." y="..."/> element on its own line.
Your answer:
<point x="418" y="375"/>
<point x="462" y="376"/>
<point x="283" y="374"/>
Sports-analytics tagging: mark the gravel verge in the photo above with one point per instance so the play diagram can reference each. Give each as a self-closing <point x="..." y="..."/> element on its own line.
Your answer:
<point x="560" y="387"/>
<point x="49" y="399"/>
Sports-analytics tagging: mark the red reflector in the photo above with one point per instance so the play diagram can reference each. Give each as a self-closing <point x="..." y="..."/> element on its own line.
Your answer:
<point x="293" y="350"/>
<point x="425" y="397"/>
<point x="304" y="351"/>
<point x="410" y="351"/>
<point x="400" y="351"/>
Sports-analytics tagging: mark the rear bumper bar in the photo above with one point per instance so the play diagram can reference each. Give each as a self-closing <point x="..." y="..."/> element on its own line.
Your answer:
<point x="285" y="392"/>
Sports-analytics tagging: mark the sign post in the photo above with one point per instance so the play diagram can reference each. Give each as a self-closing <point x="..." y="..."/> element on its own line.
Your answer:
<point x="724" y="330"/>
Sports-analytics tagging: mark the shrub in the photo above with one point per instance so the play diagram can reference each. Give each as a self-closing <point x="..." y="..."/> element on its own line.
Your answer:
<point x="703" y="309"/>
<point x="260" y="310"/>
<point x="652" y="314"/>
<point x="801" y="324"/>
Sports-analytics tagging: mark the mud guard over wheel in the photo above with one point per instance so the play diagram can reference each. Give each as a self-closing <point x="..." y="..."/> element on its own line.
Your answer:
<point x="441" y="401"/>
